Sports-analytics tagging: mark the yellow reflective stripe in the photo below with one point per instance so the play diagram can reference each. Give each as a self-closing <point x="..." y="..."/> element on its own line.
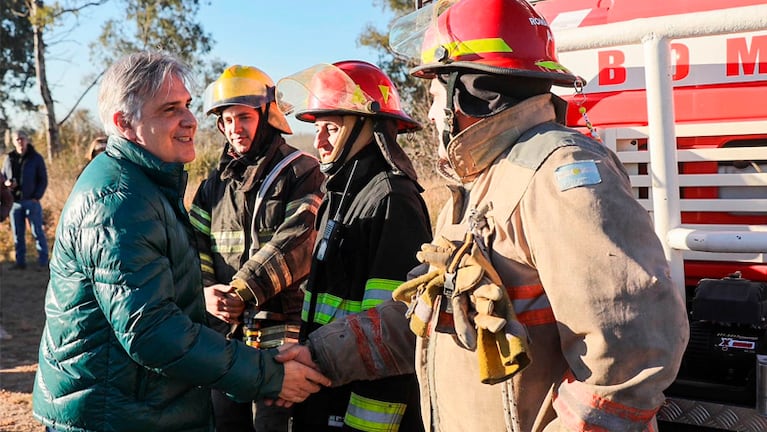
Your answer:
<point x="329" y="307"/>
<point x="371" y="415"/>
<point x="200" y="219"/>
<point x="206" y="263"/>
<point x="475" y="46"/>
<point x="551" y="65"/>
<point x="227" y="241"/>
<point x="382" y="284"/>
<point x="378" y="291"/>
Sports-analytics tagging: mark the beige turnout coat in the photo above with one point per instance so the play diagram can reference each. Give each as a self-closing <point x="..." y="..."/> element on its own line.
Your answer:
<point x="586" y="275"/>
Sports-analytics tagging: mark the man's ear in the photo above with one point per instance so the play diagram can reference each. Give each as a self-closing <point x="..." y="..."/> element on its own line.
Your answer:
<point x="124" y="126"/>
<point x="220" y="125"/>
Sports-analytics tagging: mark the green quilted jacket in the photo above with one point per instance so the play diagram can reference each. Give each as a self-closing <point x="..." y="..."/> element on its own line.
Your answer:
<point x="125" y="346"/>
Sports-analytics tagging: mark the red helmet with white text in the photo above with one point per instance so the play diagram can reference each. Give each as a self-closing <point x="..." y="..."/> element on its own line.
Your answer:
<point x="501" y="37"/>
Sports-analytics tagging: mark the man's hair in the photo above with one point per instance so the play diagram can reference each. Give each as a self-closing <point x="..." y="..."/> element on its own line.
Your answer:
<point x="131" y="81"/>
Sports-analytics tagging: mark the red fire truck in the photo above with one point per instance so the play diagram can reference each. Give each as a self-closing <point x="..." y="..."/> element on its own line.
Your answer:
<point x="693" y="73"/>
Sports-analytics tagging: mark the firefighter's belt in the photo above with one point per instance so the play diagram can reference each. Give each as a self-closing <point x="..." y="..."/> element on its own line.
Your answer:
<point x="271" y="336"/>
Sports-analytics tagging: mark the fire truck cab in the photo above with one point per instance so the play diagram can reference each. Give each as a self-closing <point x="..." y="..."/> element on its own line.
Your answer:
<point x="679" y="90"/>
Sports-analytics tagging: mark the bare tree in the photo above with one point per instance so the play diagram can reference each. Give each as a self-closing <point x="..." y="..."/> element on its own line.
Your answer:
<point x="414" y="92"/>
<point x="17" y="69"/>
<point x="42" y="17"/>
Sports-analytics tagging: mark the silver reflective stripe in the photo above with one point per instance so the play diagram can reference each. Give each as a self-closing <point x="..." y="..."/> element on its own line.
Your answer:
<point x="255" y="244"/>
<point x="372" y="415"/>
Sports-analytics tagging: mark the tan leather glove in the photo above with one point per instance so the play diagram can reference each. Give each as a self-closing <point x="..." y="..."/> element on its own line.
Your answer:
<point x="484" y="317"/>
<point x="420" y="294"/>
<point x="477" y="302"/>
<point x="502" y="339"/>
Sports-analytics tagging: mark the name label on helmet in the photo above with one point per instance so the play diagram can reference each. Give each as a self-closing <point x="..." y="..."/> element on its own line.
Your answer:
<point x="538" y="21"/>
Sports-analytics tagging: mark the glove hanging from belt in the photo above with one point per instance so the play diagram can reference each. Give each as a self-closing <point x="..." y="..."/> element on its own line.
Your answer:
<point x="482" y="314"/>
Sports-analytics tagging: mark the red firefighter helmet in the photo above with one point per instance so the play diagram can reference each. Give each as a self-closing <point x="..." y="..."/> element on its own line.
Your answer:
<point x="343" y="88"/>
<point x="503" y="37"/>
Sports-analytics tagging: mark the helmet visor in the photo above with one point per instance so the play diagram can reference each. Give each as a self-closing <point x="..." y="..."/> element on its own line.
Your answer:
<point x="416" y="36"/>
<point x="322" y="88"/>
<point x="236" y="91"/>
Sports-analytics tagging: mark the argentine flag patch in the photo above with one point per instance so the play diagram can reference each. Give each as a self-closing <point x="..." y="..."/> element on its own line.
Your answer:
<point x="582" y="173"/>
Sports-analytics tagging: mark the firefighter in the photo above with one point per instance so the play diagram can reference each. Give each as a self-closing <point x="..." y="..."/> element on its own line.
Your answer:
<point x="548" y="304"/>
<point x="254" y="219"/>
<point x="371" y="223"/>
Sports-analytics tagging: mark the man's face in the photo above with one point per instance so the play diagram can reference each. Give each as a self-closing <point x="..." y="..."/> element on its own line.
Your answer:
<point x="240" y="124"/>
<point x="20" y="142"/>
<point x="327" y="130"/>
<point x="167" y="126"/>
<point x="437" y="111"/>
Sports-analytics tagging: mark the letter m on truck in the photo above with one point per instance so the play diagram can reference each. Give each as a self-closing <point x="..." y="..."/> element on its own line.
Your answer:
<point x="678" y="88"/>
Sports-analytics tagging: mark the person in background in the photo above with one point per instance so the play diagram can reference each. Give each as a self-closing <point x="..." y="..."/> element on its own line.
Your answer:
<point x="254" y="223"/>
<point x="371" y="223"/>
<point x="27" y="178"/>
<point x="547" y="304"/>
<point x="6" y="202"/>
<point x="6" y="199"/>
<point x="95" y="148"/>
<point x="125" y="346"/>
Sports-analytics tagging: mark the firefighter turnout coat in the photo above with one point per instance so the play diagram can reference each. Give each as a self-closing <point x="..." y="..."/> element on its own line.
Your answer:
<point x="584" y="271"/>
<point x="269" y="252"/>
<point x="348" y="307"/>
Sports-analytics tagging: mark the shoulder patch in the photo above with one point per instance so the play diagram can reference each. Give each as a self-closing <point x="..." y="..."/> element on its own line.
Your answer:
<point x="576" y="174"/>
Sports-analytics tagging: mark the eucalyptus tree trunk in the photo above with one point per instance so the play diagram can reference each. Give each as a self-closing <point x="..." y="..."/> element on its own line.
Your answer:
<point x="52" y="136"/>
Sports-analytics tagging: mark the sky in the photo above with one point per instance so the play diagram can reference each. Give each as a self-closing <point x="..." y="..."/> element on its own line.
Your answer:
<point x="280" y="37"/>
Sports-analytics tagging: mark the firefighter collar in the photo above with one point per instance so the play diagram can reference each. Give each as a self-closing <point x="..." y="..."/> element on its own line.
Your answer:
<point x="478" y="146"/>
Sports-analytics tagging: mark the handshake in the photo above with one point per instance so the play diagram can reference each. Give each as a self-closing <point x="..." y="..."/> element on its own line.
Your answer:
<point x="302" y="375"/>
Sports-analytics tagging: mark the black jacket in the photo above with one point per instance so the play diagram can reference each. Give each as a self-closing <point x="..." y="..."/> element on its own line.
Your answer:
<point x="28" y="170"/>
<point x="384" y="222"/>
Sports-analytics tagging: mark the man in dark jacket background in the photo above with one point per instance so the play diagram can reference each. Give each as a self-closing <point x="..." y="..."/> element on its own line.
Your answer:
<point x="125" y="346"/>
<point x="26" y="177"/>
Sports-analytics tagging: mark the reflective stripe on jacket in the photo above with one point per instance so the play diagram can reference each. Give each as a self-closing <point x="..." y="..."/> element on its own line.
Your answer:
<point x="585" y="272"/>
<point x="222" y="214"/>
<point x="385" y="221"/>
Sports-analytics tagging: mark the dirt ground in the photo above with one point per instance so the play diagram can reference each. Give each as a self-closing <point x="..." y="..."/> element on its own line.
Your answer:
<point x="21" y="314"/>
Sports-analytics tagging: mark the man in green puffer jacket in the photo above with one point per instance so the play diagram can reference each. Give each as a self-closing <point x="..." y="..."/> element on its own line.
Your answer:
<point x="125" y="347"/>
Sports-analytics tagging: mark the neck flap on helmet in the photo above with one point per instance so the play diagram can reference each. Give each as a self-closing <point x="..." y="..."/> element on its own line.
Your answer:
<point x="385" y="135"/>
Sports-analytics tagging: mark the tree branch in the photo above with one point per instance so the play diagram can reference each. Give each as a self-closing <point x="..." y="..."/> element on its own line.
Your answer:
<point x="74" y="107"/>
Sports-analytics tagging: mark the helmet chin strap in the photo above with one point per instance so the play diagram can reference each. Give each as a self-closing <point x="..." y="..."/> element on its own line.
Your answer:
<point x="332" y="167"/>
<point x="450" y="128"/>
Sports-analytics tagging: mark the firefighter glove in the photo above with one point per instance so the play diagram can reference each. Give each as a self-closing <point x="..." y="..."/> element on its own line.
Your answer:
<point x="502" y="339"/>
<point x="420" y="294"/>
